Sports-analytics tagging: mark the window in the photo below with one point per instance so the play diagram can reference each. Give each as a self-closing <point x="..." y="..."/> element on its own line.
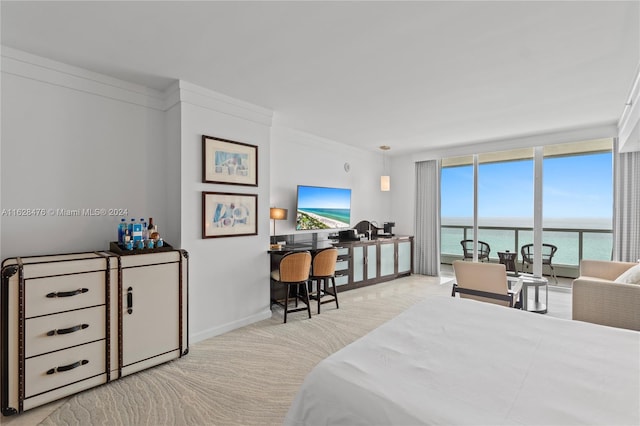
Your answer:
<point x="578" y="195"/>
<point x="577" y="202"/>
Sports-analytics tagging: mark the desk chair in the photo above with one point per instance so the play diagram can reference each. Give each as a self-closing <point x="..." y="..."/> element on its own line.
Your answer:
<point x="323" y="269"/>
<point x="293" y="273"/>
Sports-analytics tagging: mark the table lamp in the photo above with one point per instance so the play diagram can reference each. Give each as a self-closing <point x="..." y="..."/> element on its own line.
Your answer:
<point x="276" y="213"/>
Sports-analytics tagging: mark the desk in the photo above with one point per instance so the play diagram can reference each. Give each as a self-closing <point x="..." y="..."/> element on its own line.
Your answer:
<point x="360" y="263"/>
<point x="311" y="246"/>
<point x="508" y="259"/>
<point x="529" y="280"/>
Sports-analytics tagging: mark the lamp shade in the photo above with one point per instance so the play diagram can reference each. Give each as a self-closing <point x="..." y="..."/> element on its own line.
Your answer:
<point x="385" y="183"/>
<point x="276" y="213"/>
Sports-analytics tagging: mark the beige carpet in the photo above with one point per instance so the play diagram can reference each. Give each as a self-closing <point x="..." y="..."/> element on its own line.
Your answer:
<point x="248" y="376"/>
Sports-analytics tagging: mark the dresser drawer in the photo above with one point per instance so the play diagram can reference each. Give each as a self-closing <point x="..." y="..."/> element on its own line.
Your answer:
<point x="64" y="367"/>
<point x="58" y="331"/>
<point x="50" y="295"/>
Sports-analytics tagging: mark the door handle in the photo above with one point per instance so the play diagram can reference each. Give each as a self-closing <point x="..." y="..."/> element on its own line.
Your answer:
<point x="130" y="300"/>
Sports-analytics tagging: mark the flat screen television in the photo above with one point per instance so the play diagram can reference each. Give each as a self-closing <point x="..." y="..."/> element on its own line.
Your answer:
<point x="323" y="208"/>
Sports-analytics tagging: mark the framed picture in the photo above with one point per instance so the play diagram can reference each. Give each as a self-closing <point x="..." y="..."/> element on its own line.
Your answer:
<point x="229" y="215"/>
<point x="229" y="162"/>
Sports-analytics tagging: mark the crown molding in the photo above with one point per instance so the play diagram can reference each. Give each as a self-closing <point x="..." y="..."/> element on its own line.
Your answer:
<point x="37" y="68"/>
<point x="210" y="99"/>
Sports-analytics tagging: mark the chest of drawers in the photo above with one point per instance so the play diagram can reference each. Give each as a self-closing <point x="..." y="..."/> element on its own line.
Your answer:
<point x="71" y="322"/>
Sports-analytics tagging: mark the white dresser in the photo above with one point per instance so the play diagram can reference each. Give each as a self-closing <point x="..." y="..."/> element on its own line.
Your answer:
<point x="70" y="322"/>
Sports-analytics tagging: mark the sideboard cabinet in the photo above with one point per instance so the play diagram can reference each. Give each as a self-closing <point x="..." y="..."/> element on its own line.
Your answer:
<point x="374" y="261"/>
<point x="74" y="321"/>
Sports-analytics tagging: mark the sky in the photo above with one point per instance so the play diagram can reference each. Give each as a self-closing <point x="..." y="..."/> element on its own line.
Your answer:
<point x="573" y="187"/>
<point x="311" y="197"/>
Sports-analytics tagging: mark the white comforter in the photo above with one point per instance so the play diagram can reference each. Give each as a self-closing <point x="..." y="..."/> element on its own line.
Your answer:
<point x="458" y="361"/>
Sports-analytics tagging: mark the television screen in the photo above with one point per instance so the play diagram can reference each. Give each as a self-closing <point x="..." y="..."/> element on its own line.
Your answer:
<point x="323" y="208"/>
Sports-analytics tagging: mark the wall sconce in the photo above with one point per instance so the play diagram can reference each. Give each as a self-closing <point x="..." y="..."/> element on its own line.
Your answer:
<point x="385" y="180"/>
<point x="276" y="213"/>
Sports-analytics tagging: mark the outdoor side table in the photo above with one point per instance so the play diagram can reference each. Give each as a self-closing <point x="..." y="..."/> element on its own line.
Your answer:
<point x="508" y="259"/>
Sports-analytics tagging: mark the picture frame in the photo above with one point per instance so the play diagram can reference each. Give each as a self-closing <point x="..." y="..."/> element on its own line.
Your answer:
<point x="226" y="214"/>
<point x="229" y="162"/>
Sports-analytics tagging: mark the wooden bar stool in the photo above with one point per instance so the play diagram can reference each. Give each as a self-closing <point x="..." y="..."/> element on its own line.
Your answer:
<point x="323" y="269"/>
<point x="293" y="273"/>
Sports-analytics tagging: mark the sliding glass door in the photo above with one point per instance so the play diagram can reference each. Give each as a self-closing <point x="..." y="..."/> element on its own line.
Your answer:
<point x="505" y="199"/>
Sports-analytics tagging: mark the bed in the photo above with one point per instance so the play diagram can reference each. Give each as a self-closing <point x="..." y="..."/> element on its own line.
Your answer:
<point x="459" y="361"/>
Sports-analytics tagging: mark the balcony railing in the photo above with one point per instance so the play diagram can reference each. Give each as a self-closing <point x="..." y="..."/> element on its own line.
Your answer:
<point x="573" y="244"/>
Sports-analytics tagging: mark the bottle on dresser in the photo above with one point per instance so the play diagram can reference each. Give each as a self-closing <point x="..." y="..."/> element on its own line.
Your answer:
<point x="136" y="233"/>
<point x="122" y="227"/>
<point x="130" y="226"/>
<point x="127" y="242"/>
<point x="152" y="230"/>
<point x="145" y="233"/>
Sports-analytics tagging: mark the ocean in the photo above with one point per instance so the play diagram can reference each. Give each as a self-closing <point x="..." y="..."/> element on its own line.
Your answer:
<point x="341" y="215"/>
<point x="595" y="245"/>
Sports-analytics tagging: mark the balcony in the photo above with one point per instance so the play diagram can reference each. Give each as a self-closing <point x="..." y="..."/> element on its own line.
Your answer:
<point x="573" y="245"/>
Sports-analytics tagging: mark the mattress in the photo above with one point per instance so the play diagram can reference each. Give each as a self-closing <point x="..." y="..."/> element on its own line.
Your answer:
<point x="459" y="361"/>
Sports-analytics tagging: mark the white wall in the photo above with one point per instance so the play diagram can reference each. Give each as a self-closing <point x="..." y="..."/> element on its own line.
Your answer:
<point x="73" y="139"/>
<point x="229" y="277"/>
<point x="298" y="158"/>
<point x="403" y="206"/>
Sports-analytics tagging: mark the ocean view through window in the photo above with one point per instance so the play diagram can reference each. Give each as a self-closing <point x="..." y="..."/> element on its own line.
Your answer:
<point x="577" y="203"/>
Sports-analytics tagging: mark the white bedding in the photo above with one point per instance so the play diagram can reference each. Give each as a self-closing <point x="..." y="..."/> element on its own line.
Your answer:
<point x="458" y="361"/>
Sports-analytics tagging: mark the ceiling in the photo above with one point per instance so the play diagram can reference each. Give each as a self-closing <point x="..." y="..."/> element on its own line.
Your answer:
<point x="412" y="75"/>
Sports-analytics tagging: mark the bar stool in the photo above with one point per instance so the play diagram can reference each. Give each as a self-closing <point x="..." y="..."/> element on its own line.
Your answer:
<point x="323" y="269"/>
<point x="293" y="273"/>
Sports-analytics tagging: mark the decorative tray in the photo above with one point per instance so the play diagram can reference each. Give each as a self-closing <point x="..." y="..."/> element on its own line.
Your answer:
<point x="115" y="248"/>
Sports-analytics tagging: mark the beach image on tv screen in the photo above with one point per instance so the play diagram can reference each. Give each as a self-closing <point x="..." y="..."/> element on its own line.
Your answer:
<point x="323" y="208"/>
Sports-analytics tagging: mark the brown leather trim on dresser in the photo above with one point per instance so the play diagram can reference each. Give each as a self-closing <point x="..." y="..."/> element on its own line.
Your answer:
<point x="120" y="340"/>
<point x="184" y="351"/>
<point x="21" y="348"/>
<point x="7" y="272"/>
<point x="107" y="298"/>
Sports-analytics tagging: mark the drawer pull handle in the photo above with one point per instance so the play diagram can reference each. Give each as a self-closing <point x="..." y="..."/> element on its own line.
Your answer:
<point x="67" y="330"/>
<point x="67" y="293"/>
<point x="68" y="367"/>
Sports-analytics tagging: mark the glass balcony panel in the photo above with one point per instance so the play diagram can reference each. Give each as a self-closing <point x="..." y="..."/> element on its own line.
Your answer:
<point x="498" y="240"/>
<point x="568" y="248"/>
<point x="597" y="245"/>
<point x="450" y="240"/>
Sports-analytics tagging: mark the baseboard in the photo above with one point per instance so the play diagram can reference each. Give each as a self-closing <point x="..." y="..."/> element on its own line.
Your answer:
<point x="225" y="328"/>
